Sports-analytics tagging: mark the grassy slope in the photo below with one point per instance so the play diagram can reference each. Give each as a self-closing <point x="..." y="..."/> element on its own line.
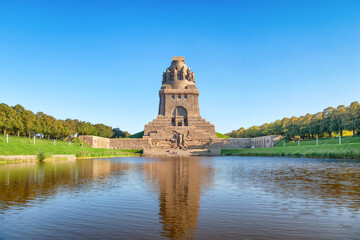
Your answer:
<point x="137" y="135"/>
<point x="219" y="135"/>
<point x="26" y="146"/>
<point x="322" y="141"/>
<point x="328" y="148"/>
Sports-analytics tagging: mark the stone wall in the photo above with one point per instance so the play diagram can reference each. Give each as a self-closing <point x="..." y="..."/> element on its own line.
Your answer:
<point x="233" y="143"/>
<point x="229" y="143"/>
<point x="116" y="143"/>
<point x="265" y="141"/>
<point x="95" y="142"/>
<point x="214" y="144"/>
<point x="130" y="143"/>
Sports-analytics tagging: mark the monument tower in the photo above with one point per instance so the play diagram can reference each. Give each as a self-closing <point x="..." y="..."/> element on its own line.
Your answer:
<point x="179" y="124"/>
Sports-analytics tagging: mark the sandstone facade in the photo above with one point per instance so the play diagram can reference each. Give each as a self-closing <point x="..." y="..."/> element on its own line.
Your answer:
<point x="130" y="143"/>
<point x="116" y="143"/>
<point x="95" y="142"/>
<point x="179" y="124"/>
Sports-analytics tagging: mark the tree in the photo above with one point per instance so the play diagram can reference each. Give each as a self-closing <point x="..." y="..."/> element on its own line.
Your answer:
<point x="338" y="123"/>
<point x="315" y="123"/>
<point x="292" y="128"/>
<point x="70" y="125"/>
<point x="103" y="130"/>
<point x="5" y="117"/>
<point x="277" y="127"/>
<point x="309" y="126"/>
<point x="28" y="119"/>
<point x="353" y="117"/>
<point x="304" y="126"/>
<point x="327" y="118"/>
<point x="17" y="120"/>
<point x="18" y="125"/>
<point x="253" y="131"/>
<point x="117" y="133"/>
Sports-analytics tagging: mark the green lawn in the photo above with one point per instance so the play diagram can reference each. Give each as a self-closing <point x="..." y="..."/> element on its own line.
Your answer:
<point x="137" y="135"/>
<point x="350" y="151"/>
<point x="322" y="141"/>
<point x="219" y="135"/>
<point x="26" y="146"/>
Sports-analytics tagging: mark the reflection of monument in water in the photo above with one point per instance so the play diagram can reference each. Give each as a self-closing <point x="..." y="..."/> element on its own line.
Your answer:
<point x="179" y="183"/>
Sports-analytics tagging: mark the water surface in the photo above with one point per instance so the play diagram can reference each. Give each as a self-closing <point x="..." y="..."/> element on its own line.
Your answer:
<point x="181" y="198"/>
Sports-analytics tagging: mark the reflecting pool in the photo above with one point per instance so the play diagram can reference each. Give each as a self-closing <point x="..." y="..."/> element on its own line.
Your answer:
<point x="181" y="198"/>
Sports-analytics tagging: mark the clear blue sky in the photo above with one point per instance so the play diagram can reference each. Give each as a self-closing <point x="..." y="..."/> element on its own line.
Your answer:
<point x="254" y="61"/>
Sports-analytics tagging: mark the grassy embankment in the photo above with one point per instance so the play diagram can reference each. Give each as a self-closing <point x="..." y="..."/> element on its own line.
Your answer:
<point x="137" y="135"/>
<point x="327" y="148"/>
<point x="219" y="135"/>
<point x="26" y="146"/>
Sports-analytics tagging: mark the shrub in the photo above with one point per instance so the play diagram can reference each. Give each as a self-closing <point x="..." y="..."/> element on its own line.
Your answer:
<point x="42" y="156"/>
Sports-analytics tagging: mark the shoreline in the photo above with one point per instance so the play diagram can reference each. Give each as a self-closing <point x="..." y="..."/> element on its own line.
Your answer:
<point x="114" y="156"/>
<point x="287" y="156"/>
<point x="29" y="158"/>
<point x="33" y="158"/>
<point x="328" y="152"/>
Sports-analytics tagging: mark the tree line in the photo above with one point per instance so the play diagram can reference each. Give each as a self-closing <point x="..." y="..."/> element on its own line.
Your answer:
<point x="16" y="120"/>
<point x="322" y="124"/>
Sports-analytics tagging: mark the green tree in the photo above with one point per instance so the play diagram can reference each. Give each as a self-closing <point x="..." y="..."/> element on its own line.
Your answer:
<point x="5" y="117"/>
<point x="103" y="130"/>
<point x="321" y="124"/>
<point x="17" y="123"/>
<point x="315" y="125"/>
<point x="71" y="126"/>
<point x="253" y="131"/>
<point x="117" y="133"/>
<point x="327" y="119"/>
<point x="17" y="120"/>
<point x="292" y="128"/>
<point x="353" y="117"/>
<point x="28" y="119"/>
<point x="304" y="126"/>
<point x="338" y="122"/>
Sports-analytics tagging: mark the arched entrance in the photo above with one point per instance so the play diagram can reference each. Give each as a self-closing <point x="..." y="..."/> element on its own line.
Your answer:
<point x="179" y="117"/>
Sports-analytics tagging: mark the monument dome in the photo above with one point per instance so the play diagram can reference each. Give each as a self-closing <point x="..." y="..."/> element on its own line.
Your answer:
<point x="178" y="75"/>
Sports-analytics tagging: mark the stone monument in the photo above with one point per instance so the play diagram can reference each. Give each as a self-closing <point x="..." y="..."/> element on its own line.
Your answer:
<point x="179" y="124"/>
